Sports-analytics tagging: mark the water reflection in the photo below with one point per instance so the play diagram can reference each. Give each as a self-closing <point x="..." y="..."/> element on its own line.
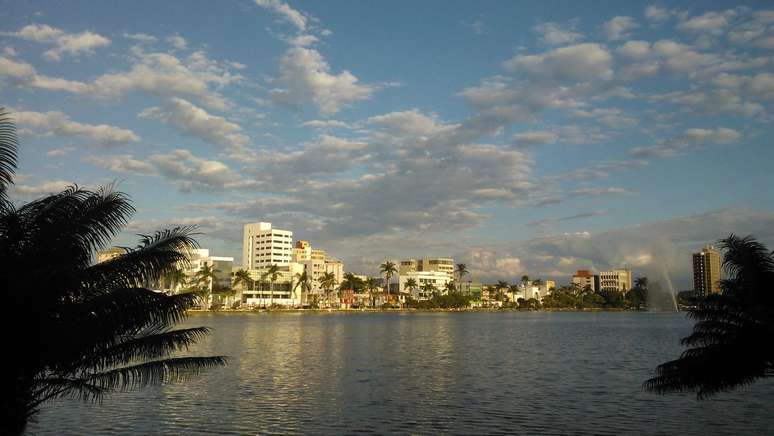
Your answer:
<point x="548" y="373"/>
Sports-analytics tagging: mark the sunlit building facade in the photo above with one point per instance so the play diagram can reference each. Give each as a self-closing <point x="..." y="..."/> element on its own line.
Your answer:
<point x="264" y="245"/>
<point x="707" y="271"/>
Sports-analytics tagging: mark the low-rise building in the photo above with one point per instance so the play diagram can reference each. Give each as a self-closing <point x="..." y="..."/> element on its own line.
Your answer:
<point x="615" y="280"/>
<point x="584" y="278"/>
<point x="438" y="280"/>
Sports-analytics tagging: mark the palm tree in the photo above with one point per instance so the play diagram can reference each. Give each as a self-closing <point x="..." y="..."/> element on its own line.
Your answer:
<point x="372" y="286"/>
<point x="350" y="283"/>
<point x="429" y="289"/>
<point x="328" y="282"/>
<point x="302" y="281"/>
<point x="242" y="279"/>
<point x="176" y="277"/>
<point x="450" y="286"/>
<point x="273" y="274"/>
<point x="461" y="269"/>
<point x="389" y="269"/>
<point x="501" y="284"/>
<point x="731" y="341"/>
<point x="79" y="330"/>
<point x="205" y="280"/>
<point x="411" y="284"/>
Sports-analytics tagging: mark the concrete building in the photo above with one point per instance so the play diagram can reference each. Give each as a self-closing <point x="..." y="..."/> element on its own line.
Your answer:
<point x="282" y="292"/>
<point x="110" y="253"/>
<point x="585" y="278"/>
<point x="615" y="280"/>
<point x="440" y="264"/>
<point x="707" y="271"/>
<point x="439" y="279"/>
<point x="316" y="263"/>
<point x="263" y="245"/>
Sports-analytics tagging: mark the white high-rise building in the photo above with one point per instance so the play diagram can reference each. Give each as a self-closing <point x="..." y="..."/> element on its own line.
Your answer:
<point x="615" y="280"/>
<point x="263" y="246"/>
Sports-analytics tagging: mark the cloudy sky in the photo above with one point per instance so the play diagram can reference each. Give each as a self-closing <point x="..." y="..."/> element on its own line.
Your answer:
<point x="519" y="138"/>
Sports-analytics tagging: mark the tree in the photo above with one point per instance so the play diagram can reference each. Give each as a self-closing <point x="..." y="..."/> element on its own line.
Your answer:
<point x="411" y="284"/>
<point x="77" y="329"/>
<point x="328" y="282"/>
<point x="389" y="269"/>
<point x="273" y="274"/>
<point x="303" y="281"/>
<point x="372" y="286"/>
<point x="205" y="280"/>
<point x="731" y="343"/>
<point x="461" y="269"/>
<point x="501" y="284"/>
<point x="243" y="279"/>
<point x="174" y="278"/>
<point x="525" y="280"/>
<point x="429" y="289"/>
<point x="451" y="286"/>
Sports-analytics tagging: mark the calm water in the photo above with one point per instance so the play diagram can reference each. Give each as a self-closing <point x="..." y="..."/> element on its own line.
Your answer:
<point x="530" y="373"/>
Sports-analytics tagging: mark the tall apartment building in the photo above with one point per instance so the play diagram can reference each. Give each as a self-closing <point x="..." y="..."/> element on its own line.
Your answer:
<point x="440" y="264"/>
<point x="615" y="280"/>
<point x="263" y="245"/>
<point x="585" y="278"/>
<point x="707" y="271"/>
<point x="316" y="263"/>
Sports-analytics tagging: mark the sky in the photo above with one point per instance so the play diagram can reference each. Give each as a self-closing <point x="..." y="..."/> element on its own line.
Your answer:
<point x="520" y="138"/>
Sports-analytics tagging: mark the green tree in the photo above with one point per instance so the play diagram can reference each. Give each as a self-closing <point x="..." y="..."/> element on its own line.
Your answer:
<point x="328" y="282"/>
<point x="388" y="269"/>
<point x="174" y="278"/>
<point x="731" y="343"/>
<point x="242" y="277"/>
<point x="411" y="284"/>
<point x="272" y="273"/>
<point x="205" y="280"/>
<point x="79" y="330"/>
<point x="372" y="287"/>
<point x="304" y="282"/>
<point x="461" y="270"/>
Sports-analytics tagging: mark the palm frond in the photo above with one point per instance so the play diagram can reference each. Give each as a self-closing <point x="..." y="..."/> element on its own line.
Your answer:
<point x="156" y="372"/>
<point x="156" y="255"/>
<point x="9" y="146"/>
<point x="148" y="345"/>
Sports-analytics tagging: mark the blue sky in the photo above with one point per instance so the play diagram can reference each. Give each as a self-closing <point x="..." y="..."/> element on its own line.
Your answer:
<point x="519" y="138"/>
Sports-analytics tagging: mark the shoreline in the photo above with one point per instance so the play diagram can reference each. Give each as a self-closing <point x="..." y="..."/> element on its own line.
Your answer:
<point x="322" y="311"/>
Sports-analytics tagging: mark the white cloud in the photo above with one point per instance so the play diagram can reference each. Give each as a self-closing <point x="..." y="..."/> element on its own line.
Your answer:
<point x="325" y="124"/>
<point x="56" y="123"/>
<point x="177" y="42"/>
<point x="287" y="13"/>
<point x="581" y="62"/>
<point x="61" y="151"/>
<point x="690" y="139"/>
<point x="63" y="42"/>
<point x="619" y="27"/>
<point x="535" y="138"/>
<point x="142" y="38"/>
<point x="556" y="34"/>
<point x="195" y="122"/>
<point x="656" y="14"/>
<point x="305" y="77"/>
<point x="410" y="123"/>
<point x="124" y="163"/>
<point x="192" y="173"/>
<point x="23" y="74"/>
<point x="709" y="22"/>
<point x="636" y="50"/>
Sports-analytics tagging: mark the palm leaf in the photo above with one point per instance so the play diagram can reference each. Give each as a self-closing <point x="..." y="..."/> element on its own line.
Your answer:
<point x="8" y="150"/>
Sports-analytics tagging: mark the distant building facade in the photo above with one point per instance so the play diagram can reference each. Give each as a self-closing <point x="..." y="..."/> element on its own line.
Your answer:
<point x="615" y="280"/>
<point x="707" y="271"/>
<point x="584" y="278"/>
<point x="264" y="245"/>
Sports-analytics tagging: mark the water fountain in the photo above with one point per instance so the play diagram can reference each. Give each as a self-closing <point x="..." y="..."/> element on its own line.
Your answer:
<point x="668" y="281"/>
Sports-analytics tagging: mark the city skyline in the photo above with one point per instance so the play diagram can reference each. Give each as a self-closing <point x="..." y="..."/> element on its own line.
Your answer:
<point x="539" y="141"/>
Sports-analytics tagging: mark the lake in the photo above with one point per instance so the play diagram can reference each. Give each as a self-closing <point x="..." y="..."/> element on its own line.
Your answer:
<point x="498" y="372"/>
